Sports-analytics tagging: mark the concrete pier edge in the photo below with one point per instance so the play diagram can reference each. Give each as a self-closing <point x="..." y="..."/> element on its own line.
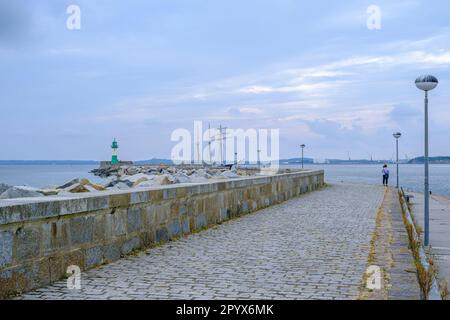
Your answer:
<point x="434" y="293"/>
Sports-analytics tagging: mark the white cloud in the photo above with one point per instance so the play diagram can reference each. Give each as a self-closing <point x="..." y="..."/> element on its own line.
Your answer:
<point x="256" y="89"/>
<point x="250" y="110"/>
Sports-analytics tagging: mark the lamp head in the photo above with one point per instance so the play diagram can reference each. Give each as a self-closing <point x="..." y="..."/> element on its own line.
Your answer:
<point x="302" y="146"/>
<point x="397" y="135"/>
<point x="426" y="82"/>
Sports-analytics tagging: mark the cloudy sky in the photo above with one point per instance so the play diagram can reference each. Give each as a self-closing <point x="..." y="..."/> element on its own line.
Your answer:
<point x="138" y="69"/>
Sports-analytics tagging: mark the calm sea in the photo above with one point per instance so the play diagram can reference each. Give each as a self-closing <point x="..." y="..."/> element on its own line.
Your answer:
<point x="44" y="175"/>
<point x="411" y="176"/>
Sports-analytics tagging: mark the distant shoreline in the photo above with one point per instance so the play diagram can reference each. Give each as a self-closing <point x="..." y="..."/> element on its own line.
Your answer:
<point x="49" y="162"/>
<point x="283" y="162"/>
<point x="151" y="162"/>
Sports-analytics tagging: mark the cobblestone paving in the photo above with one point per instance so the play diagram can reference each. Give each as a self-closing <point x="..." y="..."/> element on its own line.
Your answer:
<point x="390" y="252"/>
<point x="311" y="247"/>
<point x="404" y="284"/>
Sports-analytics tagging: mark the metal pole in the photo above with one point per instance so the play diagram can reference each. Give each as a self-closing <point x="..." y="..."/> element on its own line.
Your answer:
<point x="302" y="158"/>
<point x="221" y="145"/>
<point x="397" y="163"/>
<point x="427" y="186"/>
<point x="259" y="160"/>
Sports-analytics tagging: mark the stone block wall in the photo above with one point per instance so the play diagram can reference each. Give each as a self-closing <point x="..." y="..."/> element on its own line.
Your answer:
<point x="39" y="239"/>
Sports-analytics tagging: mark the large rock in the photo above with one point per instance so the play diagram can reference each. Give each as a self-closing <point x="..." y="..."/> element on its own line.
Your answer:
<point x="20" y="192"/>
<point x="147" y="184"/>
<point x="110" y="180"/>
<point x="49" y="192"/>
<point x="229" y="175"/>
<point x="182" y="178"/>
<point x="3" y="187"/>
<point x="132" y="171"/>
<point x="139" y="181"/>
<point x="200" y="175"/>
<point x="84" y="186"/>
<point x="90" y="185"/>
<point x="77" y="188"/>
<point x="117" y="181"/>
<point x="105" y="172"/>
<point x="164" y="180"/>
<point x="136" y="179"/>
<point x="69" y="183"/>
<point x="119" y="186"/>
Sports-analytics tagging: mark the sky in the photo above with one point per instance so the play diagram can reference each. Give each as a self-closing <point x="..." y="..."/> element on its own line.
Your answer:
<point x="137" y="70"/>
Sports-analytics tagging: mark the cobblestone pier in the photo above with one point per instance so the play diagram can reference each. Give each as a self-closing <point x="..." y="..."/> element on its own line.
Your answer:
<point x="312" y="247"/>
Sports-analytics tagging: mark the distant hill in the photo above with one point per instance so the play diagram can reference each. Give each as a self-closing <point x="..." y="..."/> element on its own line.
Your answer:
<point x="49" y="162"/>
<point x="433" y="160"/>
<point x="356" y="161"/>
<point x="332" y="161"/>
<point x="297" y="161"/>
<point x="153" y="161"/>
<point x="77" y="162"/>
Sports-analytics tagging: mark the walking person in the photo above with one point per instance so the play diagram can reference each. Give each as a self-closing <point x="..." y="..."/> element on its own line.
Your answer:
<point x="385" y="173"/>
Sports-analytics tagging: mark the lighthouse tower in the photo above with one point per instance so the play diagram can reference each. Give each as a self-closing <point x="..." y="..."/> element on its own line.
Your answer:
<point x="114" y="147"/>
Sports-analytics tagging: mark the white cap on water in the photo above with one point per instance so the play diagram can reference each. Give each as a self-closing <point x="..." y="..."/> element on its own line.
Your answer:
<point x="426" y="82"/>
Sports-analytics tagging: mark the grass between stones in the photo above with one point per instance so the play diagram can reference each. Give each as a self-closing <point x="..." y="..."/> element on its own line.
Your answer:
<point x="379" y="255"/>
<point x="425" y="276"/>
<point x="445" y="294"/>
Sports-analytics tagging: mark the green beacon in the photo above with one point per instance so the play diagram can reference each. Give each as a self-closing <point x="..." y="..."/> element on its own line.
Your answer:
<point x="114" y="147"/>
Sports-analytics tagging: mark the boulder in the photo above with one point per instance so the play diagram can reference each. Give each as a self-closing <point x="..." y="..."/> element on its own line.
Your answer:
<point x="49" y="192"/>
<point x="84" y="186"/>
<point x="69" y="183"/>
<point x="110" y="180"/>
<point x="115" y="182"/>
<point x="229" y="174"/>
<point x="182" y="178"/>
<point x="147" y="184"/>
<point x="77" y="188"/>
<point x="3" y="187"/>
<point x="197" y="179"/>
<point x="163" y="180"/>
<point x="63" y="193"/>
<point x="143" y="179"/>
<point x="135" y="179"/>
<point x="119" y="186"/>
<point x="92" y="188"/>
<point x="20" y="192"/>
<point x="87" y="183"/>
<point x="132" y="171"/>
<point x="200" y="175"/>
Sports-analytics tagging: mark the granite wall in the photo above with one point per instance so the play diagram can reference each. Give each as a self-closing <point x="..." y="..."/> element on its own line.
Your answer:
<point x="41" y="237"/>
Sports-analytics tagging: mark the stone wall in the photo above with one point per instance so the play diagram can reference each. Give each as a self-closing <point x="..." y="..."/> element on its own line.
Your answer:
<point x="40" y="239"/>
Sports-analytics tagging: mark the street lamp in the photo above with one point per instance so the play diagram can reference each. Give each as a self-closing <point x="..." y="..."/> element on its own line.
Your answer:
<point x="426" y="83"/>
<point x="303" y="147"/>
<point x="397" y="136"/>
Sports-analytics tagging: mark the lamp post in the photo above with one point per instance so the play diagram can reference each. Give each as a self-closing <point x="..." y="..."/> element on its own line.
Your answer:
<point x="397" y="136"/>
<point x="303" y="147"/>
<point x="259" y="159"/>
<point x="426" y="83"/>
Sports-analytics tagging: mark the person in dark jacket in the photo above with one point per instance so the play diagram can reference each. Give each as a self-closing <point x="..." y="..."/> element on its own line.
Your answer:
<point x="385" y="173"/>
